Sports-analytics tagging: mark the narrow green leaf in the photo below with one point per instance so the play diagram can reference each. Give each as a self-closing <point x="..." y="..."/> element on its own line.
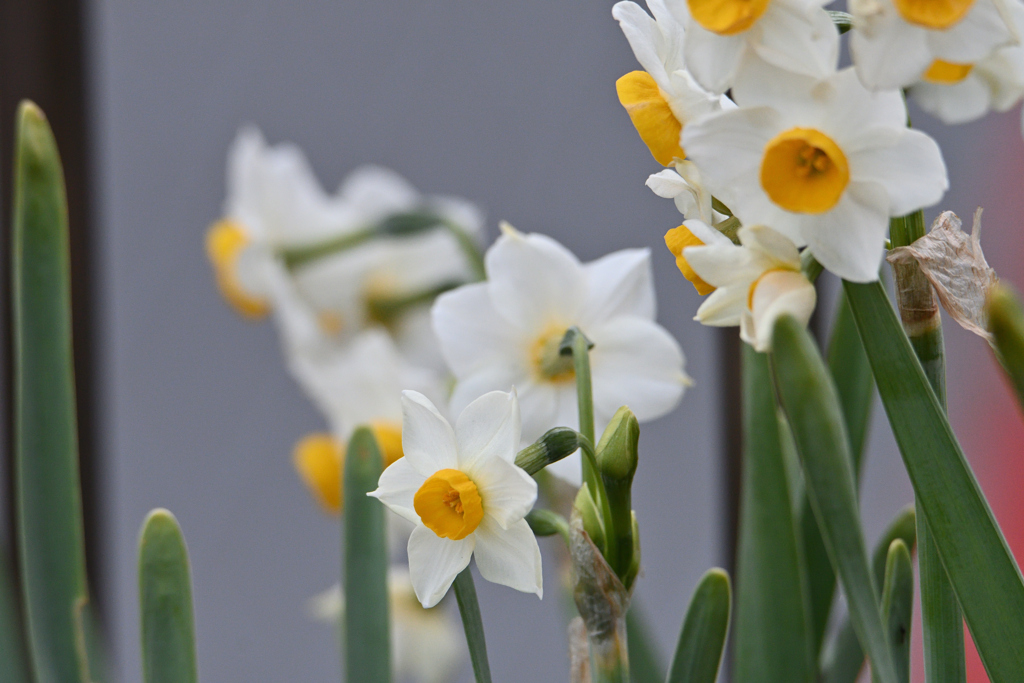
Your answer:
<point x="645" y="665"/>
<point x="812" y="406"/>
<point x="702" y="639"/>
<point x="367" y="628"/>
<point x="49" y="505"/>
<point x="898" y="605"/>
<point x="845" y="658"/>
<point x="771" y="638"/>
<point x="1006" y="323"/>
<point x="942" y="624"/>
<point x="165" y="602"/>
<point x="12" y="646"/>
<point x="970" y="545"/>
<point x="473" y="625"/>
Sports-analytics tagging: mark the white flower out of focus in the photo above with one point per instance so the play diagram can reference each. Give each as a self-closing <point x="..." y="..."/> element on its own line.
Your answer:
<point x="824" y="162"/>
<point x="755" y="283"/>
<point x="506" y="332"/>
<point x="467" y="498"/>
<point x="894" y="43"/>
<point x="723" y="35"/>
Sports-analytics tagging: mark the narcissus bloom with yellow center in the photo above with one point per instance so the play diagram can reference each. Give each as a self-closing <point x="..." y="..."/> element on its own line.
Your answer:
<point x="756" y="282"/>
<point x="895" y="43"/>
<point x="467" y="498"/>
<point x="507" y="331"/>
<point x="826" y="163"/>
<point x="723" y="35"/>
<point x="661" y="99"/>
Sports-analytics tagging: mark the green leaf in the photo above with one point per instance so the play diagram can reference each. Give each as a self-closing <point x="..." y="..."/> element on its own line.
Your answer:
<point x="12" y="647"/>
<point x="942" y="624"/>
<point x="49" y="505"/>
<point x="970" y="545"/>
<point x="367" y="629"/>
<point x="771" y="638"/>
<point x="898" y="605"/>
<point x="702" y="640"/>
<point x="812" y="406"/>
<point x="165" y="602"/>
<point x="473" y="625"/>
<point x="1006" y="323"/>
<point x="645" y="665"/>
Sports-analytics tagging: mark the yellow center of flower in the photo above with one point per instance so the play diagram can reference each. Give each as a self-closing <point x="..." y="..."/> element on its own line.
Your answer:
<point x="319" y="459"/>
<point x="678" y="239"/>
<point x="331" y="323"/>
<point x="934" y="14"/>
<point x="651" y="115"/>
<point x="449" y="504"/>
<point x="804" y="171"/>
<point x="224" y="242"/>
<point x="727" y="17"/>
<point x="548" y="364"/>
<point x="947" y="73"/>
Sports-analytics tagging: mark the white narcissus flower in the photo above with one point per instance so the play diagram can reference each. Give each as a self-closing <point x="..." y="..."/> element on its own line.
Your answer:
<point x="427" y="645"/>
<point x="756" y="283"/>
<point x="723" y="35"/>
<point x="826" y="163"/>
<point x="693" y="233"/>
<point x="506" y="332"/>
<point x="661" y="99"/>
<point x="958" y="93"/>
<point x="359" y="385"/>
<point x="894" y="42"/>
<point x="682" y="183"/>
<point x="467" y="498"/>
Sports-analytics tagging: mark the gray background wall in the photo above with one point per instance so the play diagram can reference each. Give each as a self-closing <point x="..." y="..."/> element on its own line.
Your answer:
<point x="509" y="104"/>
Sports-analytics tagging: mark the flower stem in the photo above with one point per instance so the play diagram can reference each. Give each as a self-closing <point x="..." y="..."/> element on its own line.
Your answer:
<point x="609" y="658"/>
<point x="942" y="623"/>
<point x="469" y="608"/>
<point x="469" y="248"/>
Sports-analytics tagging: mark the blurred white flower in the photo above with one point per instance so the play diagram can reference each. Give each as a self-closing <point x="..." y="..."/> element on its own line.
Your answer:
<point x="723" y="35"/>
<point x="465" y="494"/>
<point x="661" y="99"/>
<point x="427" y="645"/>
<point x="506" y="332"/>
<point x="756" y="283"/>
<point x="894" y="42"/>
<point x="825" y="163"/>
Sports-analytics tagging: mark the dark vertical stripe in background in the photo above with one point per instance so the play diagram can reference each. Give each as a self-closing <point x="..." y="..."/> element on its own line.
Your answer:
<point x="43" y="58"/>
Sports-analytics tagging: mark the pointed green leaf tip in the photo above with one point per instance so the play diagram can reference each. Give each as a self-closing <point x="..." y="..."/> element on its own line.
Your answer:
<point x="898" y="605"/>
<point x="702" y="639"/>
<point x="165" y="602"/>
<point x="49" y="509"/>
<point x="1006" y="323"/>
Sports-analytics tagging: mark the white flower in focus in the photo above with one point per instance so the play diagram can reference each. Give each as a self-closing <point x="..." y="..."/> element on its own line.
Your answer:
<point x="426" y="644"/>
<point x="661" y="99"/>
<point x="723" y="35"/>
<point x="465" y="494"/>
<point x="894" y="42"/>
<point x="693" y="233"/>
<point x="756" y="283"/>
<point x="825" y="163"/>
<point x="506" y="332"/>
<point x="958" y="93"/>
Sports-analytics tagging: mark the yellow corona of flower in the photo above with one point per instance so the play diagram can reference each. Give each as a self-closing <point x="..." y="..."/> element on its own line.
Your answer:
<point x="225" y="242"/>
<point x="693" y="233"/>
<point x="465" y="494"/>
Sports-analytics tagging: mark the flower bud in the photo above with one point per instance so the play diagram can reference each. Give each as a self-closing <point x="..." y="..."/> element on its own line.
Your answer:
<point x="552" y="446"/>
<point x="547" y="523"/>
<point x="590" y="515"/>
<point x="409" y="223"/>
<point x="616" y="462"/>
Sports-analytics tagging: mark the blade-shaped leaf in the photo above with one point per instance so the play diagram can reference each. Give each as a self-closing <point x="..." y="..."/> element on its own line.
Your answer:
<point x="898" y="605"/>
<point x="771" y="638"/>
<point x="165" y="602"/>
<point x="812" y="406"/>
<point x="367" y="629"/>
<point x="645" y="665"/>
<point x="12" y="647"/>
<point x="981" y="568"/>
<point x="702" y="639"/>
<point x="473" y="625"/>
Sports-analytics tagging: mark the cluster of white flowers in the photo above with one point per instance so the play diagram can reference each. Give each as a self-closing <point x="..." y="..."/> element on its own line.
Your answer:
<point x="743" y="100"/>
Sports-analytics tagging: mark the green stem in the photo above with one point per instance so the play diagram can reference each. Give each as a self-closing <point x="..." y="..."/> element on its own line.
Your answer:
<point x="942" y="623"/>
<point x="469" y="608"/>
<point x="643" y="652"/>
<point x="387" y="309"/>
<point x="296" y="257"/>
<point x="469" y="248"/>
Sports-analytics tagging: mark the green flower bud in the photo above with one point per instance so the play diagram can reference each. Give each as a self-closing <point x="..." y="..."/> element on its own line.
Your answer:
<point x="552" y="446"/>
<point x="410" y="223"/>
<point x="548" y="523"/>
<point x="616" y="462"/>
<point x="590" y="514"/>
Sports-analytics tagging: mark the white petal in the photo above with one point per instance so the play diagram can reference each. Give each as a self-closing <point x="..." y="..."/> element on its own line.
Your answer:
<point x="851" y="107"/>
<point x="619" y="284"/>
<point x="975" y="37"/>
<point x="569" y="470"/>
<point x="711" y="58"/>
<point x="955" y="103"/>
<point x="724" y="307"/>
<point x="434" y="562"/>
<point x="427" y="439"/>
<point x="636" y="362"/>
<point x="643" y="35"/>
<point x="799" y="39"/>
<point x="534" y="280"/>
<point x="852" y="254"/>
<point x="469" y="329"/>
<point x="777" y="293"/>
<point x="507" y="491"/>
<point x="509" y="557"/>
<point x="543" y="406"/>
<point x="771" y="245"/>
<point x="488" y="428"/>
<point x="907" y="163"/>
<point x="887" y="51"/>
<point x="720" y="264"/>
<point x="397" y="487"/>
<point x="500" y="375"/>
